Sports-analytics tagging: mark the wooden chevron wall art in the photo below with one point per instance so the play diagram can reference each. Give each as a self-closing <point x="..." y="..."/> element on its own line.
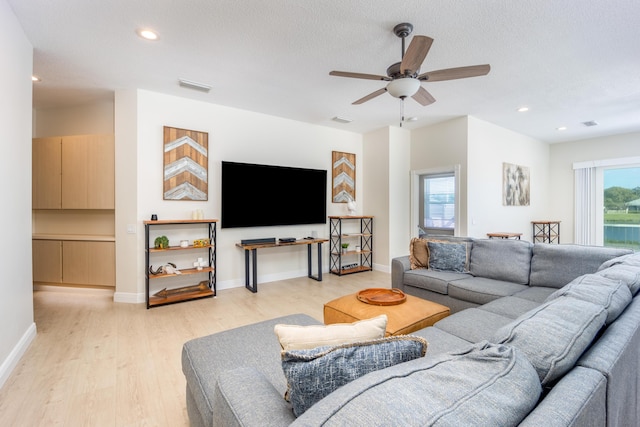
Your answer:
<point x="344" y="176"/>
<point x="186" y="164"/>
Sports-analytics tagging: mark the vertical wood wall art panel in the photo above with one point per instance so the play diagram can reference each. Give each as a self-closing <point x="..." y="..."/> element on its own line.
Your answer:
<point x="344" y="177"/>
<point x="185" y="164"/>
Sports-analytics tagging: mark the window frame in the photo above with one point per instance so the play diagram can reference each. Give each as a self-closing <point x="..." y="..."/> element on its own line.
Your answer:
<point x="416" y="196"/>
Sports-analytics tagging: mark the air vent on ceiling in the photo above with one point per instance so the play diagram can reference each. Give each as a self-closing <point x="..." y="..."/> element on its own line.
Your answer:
<point x="590" y="123"/>
<point x="194" y="85"/>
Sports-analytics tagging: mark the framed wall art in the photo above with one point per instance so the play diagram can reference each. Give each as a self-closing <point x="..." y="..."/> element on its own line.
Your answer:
<point x="344" y="177"/>
<point x="515" y="185"/>
<point x="186" y="164"/>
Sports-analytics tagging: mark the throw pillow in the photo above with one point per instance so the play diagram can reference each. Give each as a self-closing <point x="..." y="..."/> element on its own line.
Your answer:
<point x="418" y="253"/>
<point x="445" y="256"/>
<point x="313" y="374"/>
<point x="294" y="337"/>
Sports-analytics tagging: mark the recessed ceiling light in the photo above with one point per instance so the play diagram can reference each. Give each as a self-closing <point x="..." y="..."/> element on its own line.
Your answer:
<point x="147" y="34"/>
<point x="341" y="119"/>
<point x="523" y="109"/>
<point x="561" y="128"/>
<point x="35" y="79"/>
<point x="411" y="119"/>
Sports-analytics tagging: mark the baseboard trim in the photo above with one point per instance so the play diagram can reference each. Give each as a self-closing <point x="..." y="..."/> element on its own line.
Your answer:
<point x="9" y="364"/>
<point x="73" y="289"/>
<point x="129" y="298"/>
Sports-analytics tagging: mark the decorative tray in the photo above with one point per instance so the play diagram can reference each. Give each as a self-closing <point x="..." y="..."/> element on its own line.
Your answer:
<point x="381" y="296"/>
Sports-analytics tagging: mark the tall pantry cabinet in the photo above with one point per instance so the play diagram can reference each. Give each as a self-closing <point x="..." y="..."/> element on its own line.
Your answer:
<point x="74" y="210"/>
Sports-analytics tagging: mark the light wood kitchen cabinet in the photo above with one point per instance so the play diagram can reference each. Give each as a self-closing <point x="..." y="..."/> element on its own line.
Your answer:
<point x="74" y="262"/>
<point x="47" y="261"/>
<point x="88" y="263"/>
<point x="74" y="172"/>
<point x="47" y="173"/>
<point x="88" y="172"/>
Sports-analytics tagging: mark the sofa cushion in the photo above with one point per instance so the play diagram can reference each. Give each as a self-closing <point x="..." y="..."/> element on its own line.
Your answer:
<point x="418" y="253"/>
<point x="578" y="399"/>
<point x="297" y="337"/>
<point x="501" y="259"/>
<point x="627" y="274"/>
<point x="314" y="373"/>
<point x="555" y="265"/>
<point x="484" y="384"/>
<point x="440" y="341"/>
<point x="205" y="358"/>
<point x="537" y="294"/>
<point x="473" y="324"/>
<point x="615" y="355"/>
<point x="569" y="323"/>
<point x="432" y="280"/>
<point x="613" y="295"/>
<point x="629" y="259"/>
<point x="511" y="307"/>
<point x="448" y="256"/>
<point x="480" y="290"/>
<point x="234" y="407"/>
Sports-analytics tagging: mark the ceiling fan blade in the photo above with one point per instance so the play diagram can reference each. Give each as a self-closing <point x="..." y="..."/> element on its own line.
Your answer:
<point x="415" y="54"/>
<point x="359" y="75"/>
<point x="370" y="96"/>
<point x="455" y="73"/>
<point x="423" y="97"/>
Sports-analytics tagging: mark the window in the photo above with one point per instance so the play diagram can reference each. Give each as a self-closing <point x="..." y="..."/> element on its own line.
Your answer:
<point x="435" y="200"/>
<point x="621" y="216"/>
<point x="607" y="195"/>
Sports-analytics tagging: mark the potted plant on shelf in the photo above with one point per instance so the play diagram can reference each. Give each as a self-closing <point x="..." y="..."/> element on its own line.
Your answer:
<point x="344" y="248"/>
<point x="161" y="242"/>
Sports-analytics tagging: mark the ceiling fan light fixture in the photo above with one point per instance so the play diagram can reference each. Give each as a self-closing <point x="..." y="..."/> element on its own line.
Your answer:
<point x="402" y="88"/>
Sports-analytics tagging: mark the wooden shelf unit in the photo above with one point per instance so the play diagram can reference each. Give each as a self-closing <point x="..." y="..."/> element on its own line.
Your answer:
<point x="340" y="232"/>
<point x="182" y="294"/>
<point x="546" y="231"/>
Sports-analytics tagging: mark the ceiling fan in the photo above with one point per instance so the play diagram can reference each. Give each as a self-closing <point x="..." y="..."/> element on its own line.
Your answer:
<point x="404" y="78"/>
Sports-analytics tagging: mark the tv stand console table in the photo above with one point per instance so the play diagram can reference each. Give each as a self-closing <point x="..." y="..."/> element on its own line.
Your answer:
<point x="251" y="259"/>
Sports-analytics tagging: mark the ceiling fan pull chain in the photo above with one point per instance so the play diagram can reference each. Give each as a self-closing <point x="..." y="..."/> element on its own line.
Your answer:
<point x="401" y="111"/>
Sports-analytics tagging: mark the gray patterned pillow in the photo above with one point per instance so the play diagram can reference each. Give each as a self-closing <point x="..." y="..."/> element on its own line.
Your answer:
<point x="314" y="373"/>
<point x="448" y="256"/>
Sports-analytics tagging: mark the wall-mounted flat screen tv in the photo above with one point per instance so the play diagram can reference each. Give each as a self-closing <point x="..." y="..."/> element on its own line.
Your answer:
<point x="256" y="195"/>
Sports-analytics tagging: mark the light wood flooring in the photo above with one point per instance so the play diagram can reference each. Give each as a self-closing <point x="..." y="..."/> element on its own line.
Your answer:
<point x="99" y="363"/>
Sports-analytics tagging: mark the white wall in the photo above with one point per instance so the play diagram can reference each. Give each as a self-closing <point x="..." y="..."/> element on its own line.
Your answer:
<point x="399" y="193"/>
<point x="488" y="147"/>
<point x="234" y="135"/>
<point x="376" y="176"/>
<point x="561" y="171"/>
<point x="443" y="145"/>
<point x="93" y="118"/>
<point x="16" y="305"/>
<point x="480" y="148"/>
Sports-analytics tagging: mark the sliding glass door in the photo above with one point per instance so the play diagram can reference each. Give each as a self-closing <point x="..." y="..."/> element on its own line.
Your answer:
<point x="621" y="198"/>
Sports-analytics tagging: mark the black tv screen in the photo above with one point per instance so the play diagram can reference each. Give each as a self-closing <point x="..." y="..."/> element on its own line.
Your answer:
<point x="263" y="195"/>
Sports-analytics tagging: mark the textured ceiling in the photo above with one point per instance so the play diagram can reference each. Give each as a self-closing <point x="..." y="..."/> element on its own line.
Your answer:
<point x="569" y="61"/>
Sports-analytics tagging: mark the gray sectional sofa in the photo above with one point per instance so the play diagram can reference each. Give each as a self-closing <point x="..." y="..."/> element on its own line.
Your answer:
<point x="560" y="349"/>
